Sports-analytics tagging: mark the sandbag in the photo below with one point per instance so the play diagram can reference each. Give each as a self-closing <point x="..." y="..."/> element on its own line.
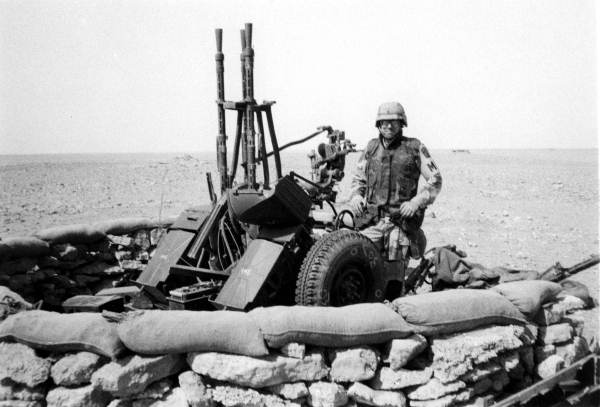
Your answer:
<point x="157" y="332"/>
<point x="450" y="311"/>
<point x="11" y="303"/>
<point x="358" y="324"/>
<point x="124" y="226"/>
<point x="51" y="331"/>
<point x="19" y="265"/>
<point x="579" y="290"/>
<point x="529" y="295"/>
<point x="29" y="246"/>
<point x="75" y="234"/>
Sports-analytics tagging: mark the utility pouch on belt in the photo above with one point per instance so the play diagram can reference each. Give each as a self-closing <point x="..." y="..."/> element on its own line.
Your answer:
<point x="412" y="228"/>
<point x="411" y="225"/>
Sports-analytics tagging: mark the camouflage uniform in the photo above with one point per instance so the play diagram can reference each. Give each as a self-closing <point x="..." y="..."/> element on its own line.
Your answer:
<point x="387" y="175"/>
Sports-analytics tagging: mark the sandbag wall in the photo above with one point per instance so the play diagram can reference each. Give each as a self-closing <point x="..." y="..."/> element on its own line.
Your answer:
<point x="57" y="263"/>
<point x="365" y="354"/>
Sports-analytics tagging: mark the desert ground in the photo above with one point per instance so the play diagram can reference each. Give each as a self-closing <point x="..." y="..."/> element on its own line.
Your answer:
<point x="517" y="208"/>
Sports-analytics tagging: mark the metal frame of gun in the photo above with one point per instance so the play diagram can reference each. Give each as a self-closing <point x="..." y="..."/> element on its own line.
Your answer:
<point x="557" y="272"/>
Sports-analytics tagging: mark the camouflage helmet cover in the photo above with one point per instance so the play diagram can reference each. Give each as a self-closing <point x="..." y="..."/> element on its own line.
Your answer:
<point x="391" y="111"/>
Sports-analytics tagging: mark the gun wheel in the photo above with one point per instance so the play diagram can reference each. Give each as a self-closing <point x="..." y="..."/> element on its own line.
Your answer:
<point x="340" y="269"/>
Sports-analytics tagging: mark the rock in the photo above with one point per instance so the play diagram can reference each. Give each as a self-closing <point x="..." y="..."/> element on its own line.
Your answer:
<point x="290" y="391"/>
<point x="294" y="350"/>
<point x="570" y="303"/>
<point x="120" y="403"/>
<point x="20" y="364"/>
<point x="577" y="322"/>
<point x="483" y="401"/>
<point x="141" y="239"/>
<point x="549" y="366"/>
<point x="124" y="241"/>
<point x="388" y="379"/>
<point x="558" y="333"/>
<point x="20" y="403"/>
<point x="527" y="359"/>
<point x="499" y="380"/>
<point x="573" y="351"/>
<point x="99" y="268"/>
<point x="434" y="389"/>
<point x="142" y="256"/>
<point x="482" y="386"/>
<point x="132" y="265"/>
<point x="530" y="334"/>
<point x="400" y="351"/>
<point x="353" y="364"/>
<point x="194" y="390"/>
<point x="542" y="352"/>
<point x="518" y="373"/>
<point x="18" y="266"/>
<point x="550" y="314"/>
<point x="457" y="354"/>
<point x="10" y="390"/>
<point x="101" y="246"/>
<point x="154" y="391"/>
<point x="509" y="361"/>
<point x="174" y="398"/>
<point x="133" y="374"/>
<point x="121" y="255"/>
<point x="324" y="394"/>
<point x="258" y="372"/>
<point x="381" y="398"/>
<point x="446" y="401"/>
<point x="87" y="396"/>
<point x="233" y="396"/>
<point x="65" y="252"/>
<point x="75" y="369"/>
<point x="480" y="372"/>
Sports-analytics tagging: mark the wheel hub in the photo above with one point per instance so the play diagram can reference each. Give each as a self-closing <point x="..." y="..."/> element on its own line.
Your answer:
<point x="349" y="287"/>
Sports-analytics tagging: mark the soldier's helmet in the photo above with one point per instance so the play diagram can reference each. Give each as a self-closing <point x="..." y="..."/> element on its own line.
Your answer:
<point x="391" y="111"/>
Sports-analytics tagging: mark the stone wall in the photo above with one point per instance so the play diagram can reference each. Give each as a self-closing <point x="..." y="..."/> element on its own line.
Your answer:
<point x="54" y="270"/>
<point x="463" y="369"/>
<point x="471" y="368"/>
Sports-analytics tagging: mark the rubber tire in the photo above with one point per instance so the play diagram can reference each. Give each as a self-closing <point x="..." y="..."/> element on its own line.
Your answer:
<point x="343" y="254"/>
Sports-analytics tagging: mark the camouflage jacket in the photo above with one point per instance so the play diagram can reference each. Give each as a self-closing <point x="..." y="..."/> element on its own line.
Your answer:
<point x="387" y="175"/>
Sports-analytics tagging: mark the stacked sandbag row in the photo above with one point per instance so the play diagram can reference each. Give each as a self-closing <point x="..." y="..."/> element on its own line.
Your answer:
<point x="61" y="262"/>
<point x="364" y="354"/>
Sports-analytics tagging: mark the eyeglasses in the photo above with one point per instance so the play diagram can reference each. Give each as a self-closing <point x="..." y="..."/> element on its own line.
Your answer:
<point x="385" y="123"/>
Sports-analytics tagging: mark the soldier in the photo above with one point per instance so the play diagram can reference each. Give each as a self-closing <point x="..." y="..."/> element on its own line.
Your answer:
<point x="386" y="179"/>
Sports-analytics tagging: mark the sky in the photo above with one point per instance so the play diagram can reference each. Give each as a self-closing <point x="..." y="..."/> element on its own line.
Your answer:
<point x="139" y="76"/>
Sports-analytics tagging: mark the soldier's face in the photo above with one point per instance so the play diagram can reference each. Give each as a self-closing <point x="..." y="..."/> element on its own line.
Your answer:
<point x="389" y="128"/>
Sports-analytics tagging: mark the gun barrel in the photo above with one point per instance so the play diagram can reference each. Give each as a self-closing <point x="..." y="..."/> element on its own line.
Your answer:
<point x="250" y="102"/>
<point x="592" y="261"/>
<point x="244" y="144"/>
<point x="221" y="137"/>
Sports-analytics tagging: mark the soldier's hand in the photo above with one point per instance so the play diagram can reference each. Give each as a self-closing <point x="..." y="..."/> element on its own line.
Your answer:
<point x="408" y="209"/>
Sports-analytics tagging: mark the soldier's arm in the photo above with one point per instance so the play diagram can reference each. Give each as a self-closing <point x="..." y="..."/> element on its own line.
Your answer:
<point x="358" y="186"/>
<point x="433" y="179"/>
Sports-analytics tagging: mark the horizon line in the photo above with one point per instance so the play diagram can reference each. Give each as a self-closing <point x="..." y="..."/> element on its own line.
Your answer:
<point x="214" y="151"/>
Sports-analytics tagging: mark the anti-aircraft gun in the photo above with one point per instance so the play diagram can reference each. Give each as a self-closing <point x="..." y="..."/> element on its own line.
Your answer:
<point x="259" y="243"/>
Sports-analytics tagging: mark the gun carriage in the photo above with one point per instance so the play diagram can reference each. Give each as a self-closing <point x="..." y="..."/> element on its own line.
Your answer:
<point x="273" y="240"/>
